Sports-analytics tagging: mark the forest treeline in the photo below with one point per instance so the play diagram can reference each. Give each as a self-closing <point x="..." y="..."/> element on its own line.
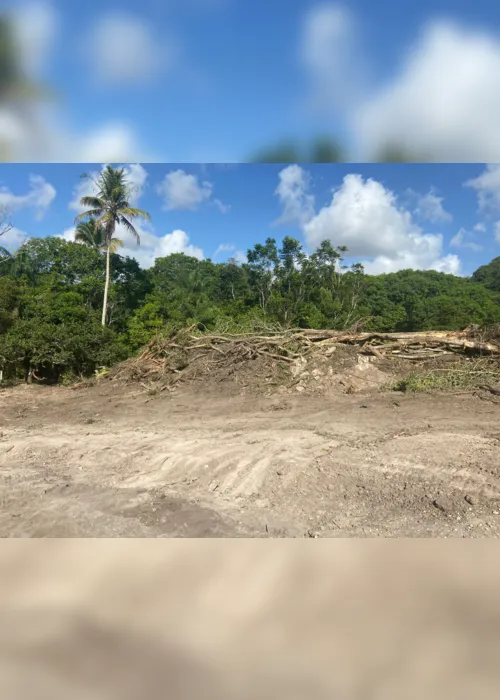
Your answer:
<point x="51" y="300"/>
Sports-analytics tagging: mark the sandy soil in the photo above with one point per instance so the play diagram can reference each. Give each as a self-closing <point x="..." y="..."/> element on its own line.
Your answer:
<point x="103" y="462"/>
<point x="239" y="620"/>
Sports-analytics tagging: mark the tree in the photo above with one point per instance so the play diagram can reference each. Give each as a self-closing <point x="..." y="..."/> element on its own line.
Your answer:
<point x="262" y="262"/>
<point x="92" y="234"/>
<point x="489" y="275"/>
<point x="288" y="283"/>
<point x="110" y="207"/>
<point x="281" y="153"/>
<point x="5" y="227"/>
<point x="322" y="150"/>
<point x="393" y="152"/>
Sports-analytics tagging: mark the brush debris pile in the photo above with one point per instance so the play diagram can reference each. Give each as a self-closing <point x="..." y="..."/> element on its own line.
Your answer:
<point x="281" y="356"/>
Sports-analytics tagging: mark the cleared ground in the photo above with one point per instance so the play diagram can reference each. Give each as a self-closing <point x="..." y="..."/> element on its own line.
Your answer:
<point x="114" y="462"/>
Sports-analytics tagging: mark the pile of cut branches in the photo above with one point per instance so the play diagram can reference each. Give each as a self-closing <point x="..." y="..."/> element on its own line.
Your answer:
<point x="423" y="346"/>
<point x="190" y="353"/>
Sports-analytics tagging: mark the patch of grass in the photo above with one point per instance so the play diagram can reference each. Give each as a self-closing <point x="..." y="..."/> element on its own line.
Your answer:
<point x="469" y="375"/>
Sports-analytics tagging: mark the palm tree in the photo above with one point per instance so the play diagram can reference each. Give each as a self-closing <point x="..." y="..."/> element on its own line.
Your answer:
<point x="90" y="233"/>
<point x="110" y="206"/>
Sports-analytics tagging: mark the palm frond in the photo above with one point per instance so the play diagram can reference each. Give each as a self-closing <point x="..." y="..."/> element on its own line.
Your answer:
<point x="131" y="228"/>
<point x="134" y="213"/>
<point x="115" y="244"/>
<point x="90" y="233"/>
<point x="86" y="214"/>
<point x="92" y="201"/>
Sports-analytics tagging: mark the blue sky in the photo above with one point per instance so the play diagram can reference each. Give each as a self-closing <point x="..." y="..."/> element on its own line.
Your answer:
<point x="215" y="80"/>
<point x="444" y="217"/>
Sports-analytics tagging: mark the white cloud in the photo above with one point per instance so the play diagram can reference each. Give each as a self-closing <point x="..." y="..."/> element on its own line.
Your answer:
<point x="240" y="257"/>
<point x="182" y="191"/>
<point x="444" y="101"/>
<point x="224" y="248"/>
<point x="124" y="49"/>
<point x="292" y="190"/>
<point x="328" y="52"/>
<point x="235" y="254"/>
<point x="68" y="234"/>
<point x="84" y="188"/>
<point x="42" y="137"/>
<point x="460" y="241"/>
<point x="480" y="227"/>
<point x="137" y="176"/>
<point x="364" y="216"/>
<point x="13" y="238"/>
<point x="223" y="208"/>
<point x="497" y="231"/>
<point x="112" y="143"/>
<point x="430" y="207"/>
<point x="152" y="246"/>
<point x="36" y="25"/>
<point x="441" y="102"/>
<point x="487" y="187"/>
<point x="40" y="196"/>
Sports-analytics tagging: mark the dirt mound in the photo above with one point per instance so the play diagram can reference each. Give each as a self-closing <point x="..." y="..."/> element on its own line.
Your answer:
<point x="302" y="360"/>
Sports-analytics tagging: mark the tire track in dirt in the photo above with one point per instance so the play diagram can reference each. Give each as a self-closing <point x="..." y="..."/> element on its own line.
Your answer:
<point x="192" y="467"/>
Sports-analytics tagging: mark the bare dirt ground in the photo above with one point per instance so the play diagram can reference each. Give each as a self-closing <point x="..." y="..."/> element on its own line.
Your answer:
<point x="115" y="462"/>
<point x="238" y="620"/>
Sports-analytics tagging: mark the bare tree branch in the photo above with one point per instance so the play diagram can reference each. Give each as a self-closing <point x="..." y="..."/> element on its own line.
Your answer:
<point x="5" y="221"/>
<point x="5" y="226"/>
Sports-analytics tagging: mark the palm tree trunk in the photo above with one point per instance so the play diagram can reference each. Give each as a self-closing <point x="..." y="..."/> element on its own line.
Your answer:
<point x="106" y="285"/>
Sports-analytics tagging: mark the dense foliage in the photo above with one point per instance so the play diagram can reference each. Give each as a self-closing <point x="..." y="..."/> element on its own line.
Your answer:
<point x="51" y="296"/>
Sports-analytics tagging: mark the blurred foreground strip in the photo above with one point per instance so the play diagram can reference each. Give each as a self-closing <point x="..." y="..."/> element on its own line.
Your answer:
<point x="248" y="619"/>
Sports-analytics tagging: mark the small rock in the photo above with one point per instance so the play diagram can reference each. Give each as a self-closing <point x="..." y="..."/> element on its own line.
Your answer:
<point x="299" y="388"/>
<point x="470" y="500"/>
<point x="363" y="405"/>
<point x="437" y="504"/>
<point x="279" y="472"/>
